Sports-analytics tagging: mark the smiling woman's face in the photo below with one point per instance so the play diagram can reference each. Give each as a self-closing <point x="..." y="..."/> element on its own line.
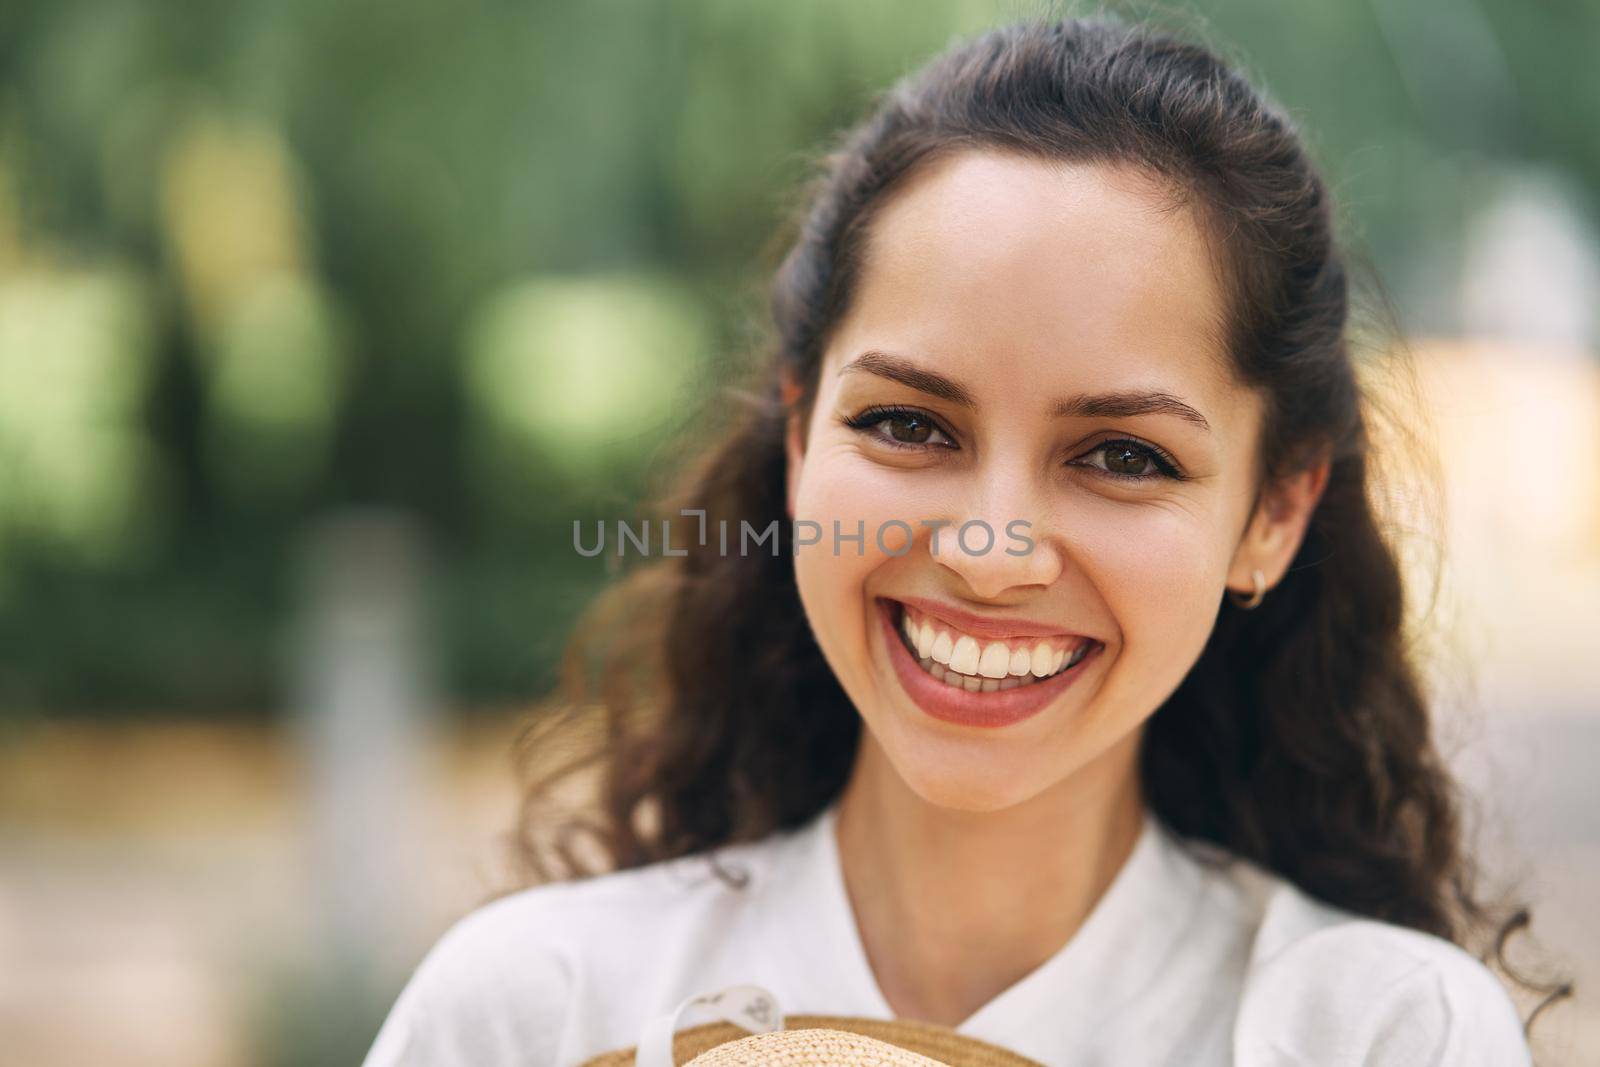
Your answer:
<point x="1034" y="346"/>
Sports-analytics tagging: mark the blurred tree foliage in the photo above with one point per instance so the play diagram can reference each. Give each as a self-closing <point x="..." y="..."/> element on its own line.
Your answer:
<point x="262" y="261"/>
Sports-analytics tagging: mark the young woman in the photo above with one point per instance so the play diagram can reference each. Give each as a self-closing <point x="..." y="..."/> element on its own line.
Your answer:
<point x="1070" y="707"/>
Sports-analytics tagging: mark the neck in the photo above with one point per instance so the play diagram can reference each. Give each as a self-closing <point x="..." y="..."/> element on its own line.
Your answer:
<point x="953" y="907"/>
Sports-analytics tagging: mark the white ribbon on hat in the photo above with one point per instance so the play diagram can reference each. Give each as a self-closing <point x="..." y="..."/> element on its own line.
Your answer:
<point x="747" y="1006"/>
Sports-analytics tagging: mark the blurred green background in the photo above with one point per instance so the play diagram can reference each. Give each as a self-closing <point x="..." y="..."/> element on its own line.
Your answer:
<point x="325" y="303"/>
<point x="263" y="260"/>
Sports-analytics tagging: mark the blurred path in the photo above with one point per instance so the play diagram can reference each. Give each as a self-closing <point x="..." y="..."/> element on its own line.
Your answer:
<point x="157" y="905"/>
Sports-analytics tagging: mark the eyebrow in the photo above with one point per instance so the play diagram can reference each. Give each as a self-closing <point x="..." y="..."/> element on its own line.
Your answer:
<point x="909" y="374"/>
<point x="1127" y="405"/>
<point x="1084" y="405"/>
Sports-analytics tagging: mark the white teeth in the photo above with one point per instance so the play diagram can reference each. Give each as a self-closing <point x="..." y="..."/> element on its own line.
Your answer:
<point x="1021" y="662"/>
<point x="964" y="657"/>
<point x="963" y="663"/>
<point x="996" y="661"/>
<point x="1044" y="660"/>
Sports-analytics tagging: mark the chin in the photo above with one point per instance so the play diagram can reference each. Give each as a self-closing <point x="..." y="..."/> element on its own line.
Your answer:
<point x="960" y="776"/>
<point x="976" y="794"/>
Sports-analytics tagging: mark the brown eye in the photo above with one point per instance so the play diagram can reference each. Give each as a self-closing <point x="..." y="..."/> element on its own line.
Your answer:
<point x="1127" y="461"/>
<point x="1131" y="461"/>
<point x="909" y="429"/>
<point x="900" y="428"/>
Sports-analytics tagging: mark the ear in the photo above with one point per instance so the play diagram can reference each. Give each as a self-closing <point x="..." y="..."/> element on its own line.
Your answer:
<point x="1277" y="527"/>
<point x="794" y="435"/>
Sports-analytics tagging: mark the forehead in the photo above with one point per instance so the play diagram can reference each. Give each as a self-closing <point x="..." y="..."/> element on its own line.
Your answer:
<point x="994" y="263"/>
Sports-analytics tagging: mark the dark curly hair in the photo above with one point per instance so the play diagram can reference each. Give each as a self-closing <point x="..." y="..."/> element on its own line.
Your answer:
<point x="697" y="709"/>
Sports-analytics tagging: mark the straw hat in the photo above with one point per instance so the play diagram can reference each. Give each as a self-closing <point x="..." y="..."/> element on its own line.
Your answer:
<point x="827" y="1041"/>
<point x="811" y="1048"/>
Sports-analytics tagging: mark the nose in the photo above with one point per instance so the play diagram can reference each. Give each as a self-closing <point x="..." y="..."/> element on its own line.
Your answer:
<point x="996" y="543"/>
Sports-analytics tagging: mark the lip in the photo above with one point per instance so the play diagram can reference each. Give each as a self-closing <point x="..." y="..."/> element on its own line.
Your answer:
<point x="952" y="705"/>
<point x="984" y="625"/>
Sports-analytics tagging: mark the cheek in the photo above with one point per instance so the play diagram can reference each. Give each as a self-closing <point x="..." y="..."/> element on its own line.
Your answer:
<point x="843" y="489"/>
<point x="1158" y="569"/>
<point x="840" y="491"/>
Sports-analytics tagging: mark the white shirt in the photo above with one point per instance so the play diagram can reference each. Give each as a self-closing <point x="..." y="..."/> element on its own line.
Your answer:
<point x="1179" y="963"/>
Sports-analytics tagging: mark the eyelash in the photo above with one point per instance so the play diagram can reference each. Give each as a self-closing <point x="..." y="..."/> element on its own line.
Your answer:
<point x="1166" y="466"/>
<point x="876" y="414"/>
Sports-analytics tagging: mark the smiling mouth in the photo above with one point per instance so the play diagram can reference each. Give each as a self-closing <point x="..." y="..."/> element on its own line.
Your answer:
<point x="985" y="665"/>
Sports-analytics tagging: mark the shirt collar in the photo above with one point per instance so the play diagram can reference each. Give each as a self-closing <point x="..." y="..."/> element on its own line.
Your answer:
<point x="815" y="946"/>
